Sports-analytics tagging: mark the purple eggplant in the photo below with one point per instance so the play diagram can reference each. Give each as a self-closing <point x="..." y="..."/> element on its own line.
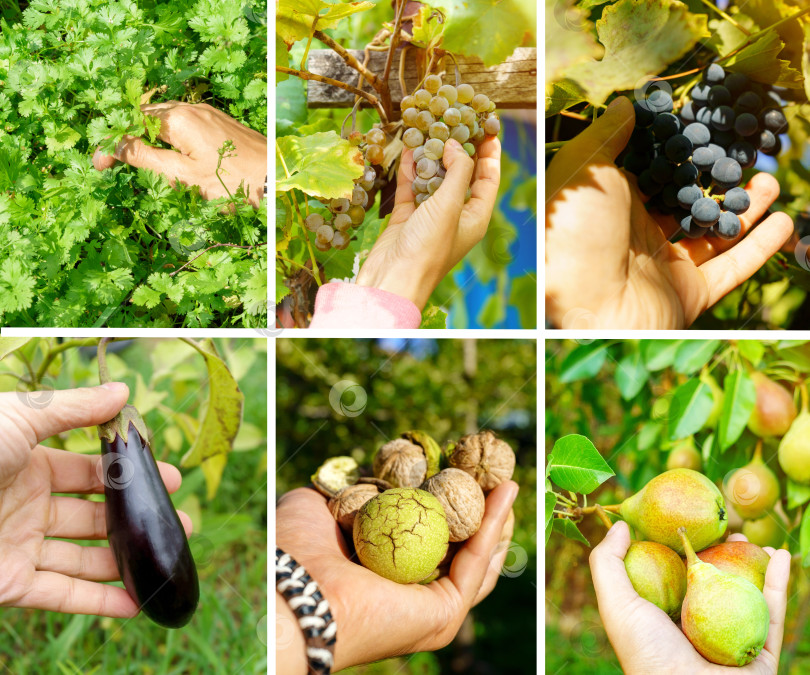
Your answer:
<point x="146" y="536"/>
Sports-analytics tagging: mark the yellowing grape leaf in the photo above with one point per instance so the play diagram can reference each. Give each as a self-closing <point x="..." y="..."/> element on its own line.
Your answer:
<point x="323" y="165"/>
<point x="641" y="37"/>
<point x="427" y="27"/>
<point x="770" y="12"/>
<point x="489" y="29"/>
<point x="561" y="96"/>
<point x="759" y="61"/>
<point x="569" y="38"/>
<point x="297" y="19"/>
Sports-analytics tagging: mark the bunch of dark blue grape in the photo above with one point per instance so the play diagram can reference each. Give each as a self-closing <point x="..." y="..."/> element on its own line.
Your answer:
<point x="332" y="228"/>
<point x="690" y="163"/>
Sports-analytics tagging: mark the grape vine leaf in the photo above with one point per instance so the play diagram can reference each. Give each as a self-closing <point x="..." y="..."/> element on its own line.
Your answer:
<point x="640" y="38"/>
<point x="760" y="62"/>
<point x="323" y="165"/>
<point x="562" y="95"/>
<point x="569" y="38"/>
<point x="427" y="28"/>
<point x="434" y="317"/>
<point x="773" y="13"/>
<point x="282" y="58"/>
<point x="488" y="29"/>
<point x="297" y="19"/>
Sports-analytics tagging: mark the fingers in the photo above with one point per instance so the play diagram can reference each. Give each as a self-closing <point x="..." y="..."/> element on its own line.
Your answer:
<point x="497" y="562"/>
<point x="40" y="415"/>
<point x="471" y="563"/>
<point x="405" y="176"/>
<point x="610" y="580"/>
<point x="92" y="563"/>
<point x="606" y="137"/>
<point x="58" y="593"/>
<point x="728" y="270"/>
<point x="135" y="152"/>
<point x="775" y="591"/>
<point x="486" y="179"/>
<point x="71" y="472"/>
<point x="460" y="168"/>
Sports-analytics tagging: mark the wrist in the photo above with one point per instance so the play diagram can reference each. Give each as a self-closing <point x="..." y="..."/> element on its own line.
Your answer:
<point x="412" y="284"/>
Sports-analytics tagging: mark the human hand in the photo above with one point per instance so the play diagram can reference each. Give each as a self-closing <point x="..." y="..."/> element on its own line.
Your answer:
<point x="421" y="245"/>
<point x="52" y="574"/>
<point x="609" y="263"/>
<point x="377" y="618"/>
<point x="646" y="640"/>
<point x="197" y="131"/>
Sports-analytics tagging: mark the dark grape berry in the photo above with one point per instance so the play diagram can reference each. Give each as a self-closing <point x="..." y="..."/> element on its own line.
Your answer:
<point x="669" y="195"/>
<point x="718" y="95"/>
<point x="776" y="149"/>
<point x="704" y="116"/>
<point x="723" y="117"/>
<point x="688" y="195"/>
<point x="737" y="200"/>
<point x="642" y="139"/>
<point x="678" y="148"/>
<point x="767" y="141"/>
<point x="774" y="121"/>
<point x="661" y="169"/>
<point x="690" y="228"/>
<point x="727" y="172"/>
<point x="688" y="112"/>
<point x="685" y="174"/>
<point x="660" y="101"/>
<point x="665" y="126"/>
<point x="717" y="151"/>
<point x="698" y="133"/>
<point x="728" y="225"/>
<point x="705" y="212"/>
<point x="744" y="153"/>
<point x="700" y="93"/>
<point x="749" y="102"/>
<point x="644" y="116"/>
<point x="746" y="124"/>
<point x="723" y="138"/>
<point x="736" y="83"/>
<point x="703" y="159"/>
<point x="715" y="74"/>
<point x="647" y="185"/>
<point x="636" y="162"/>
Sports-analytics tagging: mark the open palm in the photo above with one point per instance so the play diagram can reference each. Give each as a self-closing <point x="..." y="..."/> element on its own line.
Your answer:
<point x="39" y="569"/>
<point x="363" y="603"/>
<point x="610" y="264"/>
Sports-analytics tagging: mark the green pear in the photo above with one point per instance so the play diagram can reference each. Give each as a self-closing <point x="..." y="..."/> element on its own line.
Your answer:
<point x="684" y="456"/>
<point x="774" y="410"/>
<point x="794" y="448"/>
<point x="769" y="530"/>
<point x="752" y="489"/>
<point x="658" y="575"/>
<point x="673" y="499"/>
<point x="742" y="558"/>
<point x="724" y="616"/>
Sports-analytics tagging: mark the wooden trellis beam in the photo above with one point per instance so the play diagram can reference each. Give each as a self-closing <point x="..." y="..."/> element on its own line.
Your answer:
<point x="512" y="84"/>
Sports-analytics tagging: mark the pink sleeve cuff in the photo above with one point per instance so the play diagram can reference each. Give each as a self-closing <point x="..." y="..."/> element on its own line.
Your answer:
<point x="342" y="305"/>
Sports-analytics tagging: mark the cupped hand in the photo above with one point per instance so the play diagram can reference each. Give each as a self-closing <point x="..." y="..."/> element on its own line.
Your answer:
<point x="421" y="245"/>
<point x="377" y="618"/>
<point x="646" y="640"/>
<point x="39" y="569"/>
<point x="198" y="131"/>
<point x="609" y="262"/>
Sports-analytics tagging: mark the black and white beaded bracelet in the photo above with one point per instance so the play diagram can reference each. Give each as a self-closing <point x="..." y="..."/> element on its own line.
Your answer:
<point x="312" y="610"/>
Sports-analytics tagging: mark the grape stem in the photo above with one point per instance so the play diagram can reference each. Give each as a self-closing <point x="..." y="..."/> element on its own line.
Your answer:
<point x="350" y="60"/>
<point x="305" y="75"/>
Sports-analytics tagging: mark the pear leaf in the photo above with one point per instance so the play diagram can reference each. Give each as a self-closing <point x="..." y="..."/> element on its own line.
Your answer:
<point x="576" y="465"/>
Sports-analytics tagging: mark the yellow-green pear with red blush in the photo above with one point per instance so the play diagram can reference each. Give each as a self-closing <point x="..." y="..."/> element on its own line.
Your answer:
<point x="673" y="499"/>
<point x="658" y="575"/>
<point x="774" y="409"/>
<point x="752" y="489"/>
<point x="742" y="558"/>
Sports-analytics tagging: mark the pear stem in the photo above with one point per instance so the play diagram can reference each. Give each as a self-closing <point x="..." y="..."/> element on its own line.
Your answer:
<point x="758" y="453"/>
<point x="691" y="558"/>
<point x="612" y="508"/>
<point x="600" y="512"/>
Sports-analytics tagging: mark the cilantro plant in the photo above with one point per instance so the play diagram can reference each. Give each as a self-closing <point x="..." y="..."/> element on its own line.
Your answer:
<point x="336" y="170"/>
<point x="124" y="247"/>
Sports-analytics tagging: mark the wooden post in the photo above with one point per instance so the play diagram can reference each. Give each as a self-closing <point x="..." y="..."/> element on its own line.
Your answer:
<point x="512" y="84"/>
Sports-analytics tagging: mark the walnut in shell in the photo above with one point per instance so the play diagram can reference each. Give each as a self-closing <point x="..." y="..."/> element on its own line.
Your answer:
<point x="346" y="503"/>
<point x="462" y="500"/>
<point x="485" y="457"/>
<point x="335" y="474"/>
<point x="401" y="462"/>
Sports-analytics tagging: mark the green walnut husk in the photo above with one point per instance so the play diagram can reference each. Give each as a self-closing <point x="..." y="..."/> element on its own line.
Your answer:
<point x="335" y="474"/>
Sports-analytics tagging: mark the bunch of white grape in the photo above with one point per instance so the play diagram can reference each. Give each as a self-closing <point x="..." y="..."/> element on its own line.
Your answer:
<point x="333" y="229"/>
<point x="436" y="113"/>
